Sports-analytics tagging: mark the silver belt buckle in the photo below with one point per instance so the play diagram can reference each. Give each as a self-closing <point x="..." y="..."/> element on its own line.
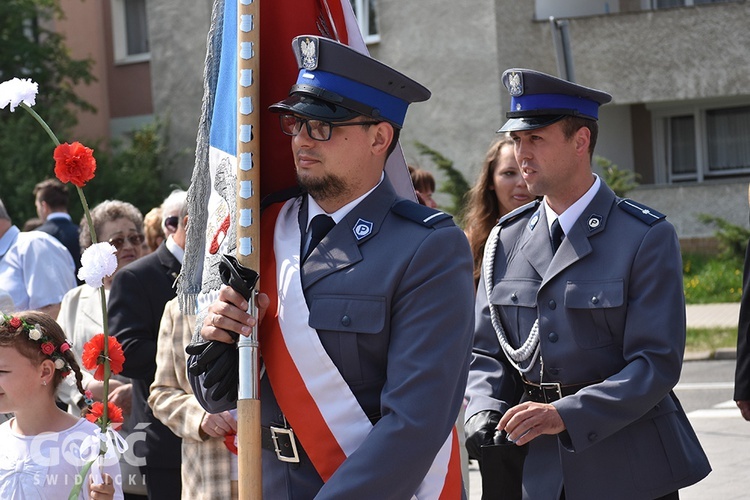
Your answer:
<point x="275" y="432"/>
<point x="555" y="386"/>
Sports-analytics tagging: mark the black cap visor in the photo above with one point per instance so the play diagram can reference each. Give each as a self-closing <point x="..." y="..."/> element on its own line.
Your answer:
<point x="313" y="107"/>
<point x="529" y="123"/>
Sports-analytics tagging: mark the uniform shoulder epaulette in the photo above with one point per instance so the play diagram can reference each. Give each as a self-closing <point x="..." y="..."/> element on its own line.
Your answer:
<point x="420" y="214"/>
<point x="513" y="214"/>
<point x="640" y="211"/>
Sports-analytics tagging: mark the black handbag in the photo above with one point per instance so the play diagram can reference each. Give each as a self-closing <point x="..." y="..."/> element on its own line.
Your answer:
<point x="501" y="467"/>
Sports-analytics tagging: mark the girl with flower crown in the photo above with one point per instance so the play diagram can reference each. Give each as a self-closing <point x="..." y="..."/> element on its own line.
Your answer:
<point x="44" y="448"/>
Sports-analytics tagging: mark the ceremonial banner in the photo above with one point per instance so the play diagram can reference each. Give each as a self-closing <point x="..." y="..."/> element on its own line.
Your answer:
<point x="213" y="191"/>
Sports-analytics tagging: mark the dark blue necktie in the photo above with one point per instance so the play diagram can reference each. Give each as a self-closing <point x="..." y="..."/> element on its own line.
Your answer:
<point x="320" y="226"/>
<point x="556" y="235"/>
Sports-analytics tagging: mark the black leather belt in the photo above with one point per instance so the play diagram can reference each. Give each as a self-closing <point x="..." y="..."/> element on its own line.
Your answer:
<point x="281" y="441"/>
<point x="547" y="392"/>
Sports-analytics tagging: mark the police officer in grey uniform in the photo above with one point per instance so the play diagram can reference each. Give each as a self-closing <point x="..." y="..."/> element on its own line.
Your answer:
<point x="389" y="288"/>
<point x="580" y="319"/>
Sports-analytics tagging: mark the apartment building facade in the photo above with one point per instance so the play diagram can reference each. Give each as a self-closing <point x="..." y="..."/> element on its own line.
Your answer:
<point x="678" y="70"/>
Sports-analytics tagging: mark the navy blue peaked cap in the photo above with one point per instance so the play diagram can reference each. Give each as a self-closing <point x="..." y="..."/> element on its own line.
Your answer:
<point x="337" y="83"/>
<point x="538" y="100"/>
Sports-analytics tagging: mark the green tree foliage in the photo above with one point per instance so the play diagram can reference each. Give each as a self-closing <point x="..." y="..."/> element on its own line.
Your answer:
<point x="31" y="50"/>
<point x="619" y="180"/>
<point x="731" y="237"/>
<point x="133" y="173"/>
<point x="455" y="184"/>
<point x="129" y="171"/>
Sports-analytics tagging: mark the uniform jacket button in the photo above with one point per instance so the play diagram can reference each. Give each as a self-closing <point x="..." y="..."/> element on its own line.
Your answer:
<point x="553" y="337"/>
<point x="552" y="304"/>
<point x="594" y="300"/>
<point x="346" y="320"/>
<point x="514" y="297"/>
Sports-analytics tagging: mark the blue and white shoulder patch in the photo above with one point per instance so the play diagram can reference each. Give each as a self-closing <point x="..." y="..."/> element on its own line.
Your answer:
<point x="640" y="211"/>
<point x="420" y="214"/>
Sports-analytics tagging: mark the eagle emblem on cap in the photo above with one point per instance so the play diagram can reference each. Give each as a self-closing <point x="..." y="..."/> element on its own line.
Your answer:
<point x="309" y="53"/>
<point x="515" y="84"/>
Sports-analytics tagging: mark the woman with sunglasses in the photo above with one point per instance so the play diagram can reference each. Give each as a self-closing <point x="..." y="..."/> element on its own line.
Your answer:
<point x="121" y="224"/>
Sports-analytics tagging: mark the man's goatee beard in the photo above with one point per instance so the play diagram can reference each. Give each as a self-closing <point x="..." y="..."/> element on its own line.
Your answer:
<point x="325" y="188"/>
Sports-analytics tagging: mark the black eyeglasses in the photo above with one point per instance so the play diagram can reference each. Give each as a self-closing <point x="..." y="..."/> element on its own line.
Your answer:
<point x="135" y="239"/>
<point x="318" y="130"/>
<point x="171" y="221"/>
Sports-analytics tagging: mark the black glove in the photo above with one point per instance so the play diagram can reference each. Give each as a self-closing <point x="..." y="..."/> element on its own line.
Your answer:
<point x="239" y="277"/>
<point x="480" y="431"/>
<point x="219" y="360"/>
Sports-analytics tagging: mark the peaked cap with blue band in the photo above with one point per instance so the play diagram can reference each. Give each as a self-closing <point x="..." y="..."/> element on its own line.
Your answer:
<point x="337" y="83"/>
<point x="538" y="100"/>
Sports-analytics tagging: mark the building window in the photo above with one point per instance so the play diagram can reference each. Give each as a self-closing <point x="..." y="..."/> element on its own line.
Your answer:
<point x="704" y="143"/>
<point x="581" y="8"/>
<point x="130" y="31"/>
<point x="367" y="17"/>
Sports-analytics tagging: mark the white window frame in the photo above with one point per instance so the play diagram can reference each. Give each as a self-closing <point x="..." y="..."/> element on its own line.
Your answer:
<point x="660" y="119"/>
<point x="362" y="13"/>
<point x="119" y="37"/>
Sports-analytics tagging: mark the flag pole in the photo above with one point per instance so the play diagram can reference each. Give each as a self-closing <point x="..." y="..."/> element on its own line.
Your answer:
<point x="248" y="241"/>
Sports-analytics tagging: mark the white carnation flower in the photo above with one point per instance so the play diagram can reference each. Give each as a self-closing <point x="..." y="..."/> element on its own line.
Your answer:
<point x="2" y="318"/>
<point x="35" y="334"/>
<point x="59" y="363"/>
<point x="97" y="262"/>
<point x="16" y="91"/>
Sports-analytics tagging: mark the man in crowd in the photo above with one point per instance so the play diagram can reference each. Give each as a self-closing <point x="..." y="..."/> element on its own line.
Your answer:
<point x="51" y="200"/>
<point x="580" y="319"/>
<point x="374" y="293"/>
<point x="35" y="269"/>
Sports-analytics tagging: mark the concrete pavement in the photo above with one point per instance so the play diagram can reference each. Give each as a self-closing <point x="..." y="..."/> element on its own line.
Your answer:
<point x="712" y="315"/>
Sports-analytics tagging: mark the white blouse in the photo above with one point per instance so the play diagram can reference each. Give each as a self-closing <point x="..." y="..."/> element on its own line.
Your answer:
<point x="45" y="466"/>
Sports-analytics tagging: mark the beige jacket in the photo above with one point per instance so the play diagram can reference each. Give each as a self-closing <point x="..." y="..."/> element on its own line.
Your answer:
<point x="206" y="463"/>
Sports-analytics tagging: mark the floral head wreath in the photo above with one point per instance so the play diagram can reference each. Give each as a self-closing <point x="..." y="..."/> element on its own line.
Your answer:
<point x="46" y="345"/>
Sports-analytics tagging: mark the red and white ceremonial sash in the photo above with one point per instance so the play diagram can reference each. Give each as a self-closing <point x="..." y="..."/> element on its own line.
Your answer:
<point x="319" y="405"/>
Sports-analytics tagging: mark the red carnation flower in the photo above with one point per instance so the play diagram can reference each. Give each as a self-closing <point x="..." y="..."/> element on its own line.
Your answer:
<point x="93" y="355"/>
<point x="48" y="348"/>
<point x="74" y="163"/>
<point x="15" y="322"/>
<point x="230" y="441"/>
<point x="114" y="414"/>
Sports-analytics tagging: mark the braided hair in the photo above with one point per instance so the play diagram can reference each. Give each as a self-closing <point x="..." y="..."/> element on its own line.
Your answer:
<point x="38" y="337"/>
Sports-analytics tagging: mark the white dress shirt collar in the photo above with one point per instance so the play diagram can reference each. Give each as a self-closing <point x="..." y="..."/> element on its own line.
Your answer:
<point x="571" y="215"/>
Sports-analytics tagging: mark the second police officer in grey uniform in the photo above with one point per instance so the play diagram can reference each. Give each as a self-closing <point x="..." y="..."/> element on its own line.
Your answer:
<point x="580" y="319"/>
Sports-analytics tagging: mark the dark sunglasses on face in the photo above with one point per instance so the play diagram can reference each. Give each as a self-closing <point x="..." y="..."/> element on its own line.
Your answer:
<point x="135" y="239"/>
<point x="318" y="130"/>
<point x="171" y="221"/>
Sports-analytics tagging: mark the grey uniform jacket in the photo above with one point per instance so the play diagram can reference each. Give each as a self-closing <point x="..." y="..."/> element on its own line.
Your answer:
<point x="611" y="313"/>
<point x="404" y="349"/>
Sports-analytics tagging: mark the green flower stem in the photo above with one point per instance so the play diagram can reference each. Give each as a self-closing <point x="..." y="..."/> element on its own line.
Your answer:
<point x="105" y="328"/>
<point x="75" y="492"/>
<point x="86" y="212"/>
<point x="42" y="123"/>
<point x="107" y="373"/>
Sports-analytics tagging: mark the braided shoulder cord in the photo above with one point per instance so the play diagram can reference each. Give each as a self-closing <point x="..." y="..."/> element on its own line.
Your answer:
<point x="530" y="349"/>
